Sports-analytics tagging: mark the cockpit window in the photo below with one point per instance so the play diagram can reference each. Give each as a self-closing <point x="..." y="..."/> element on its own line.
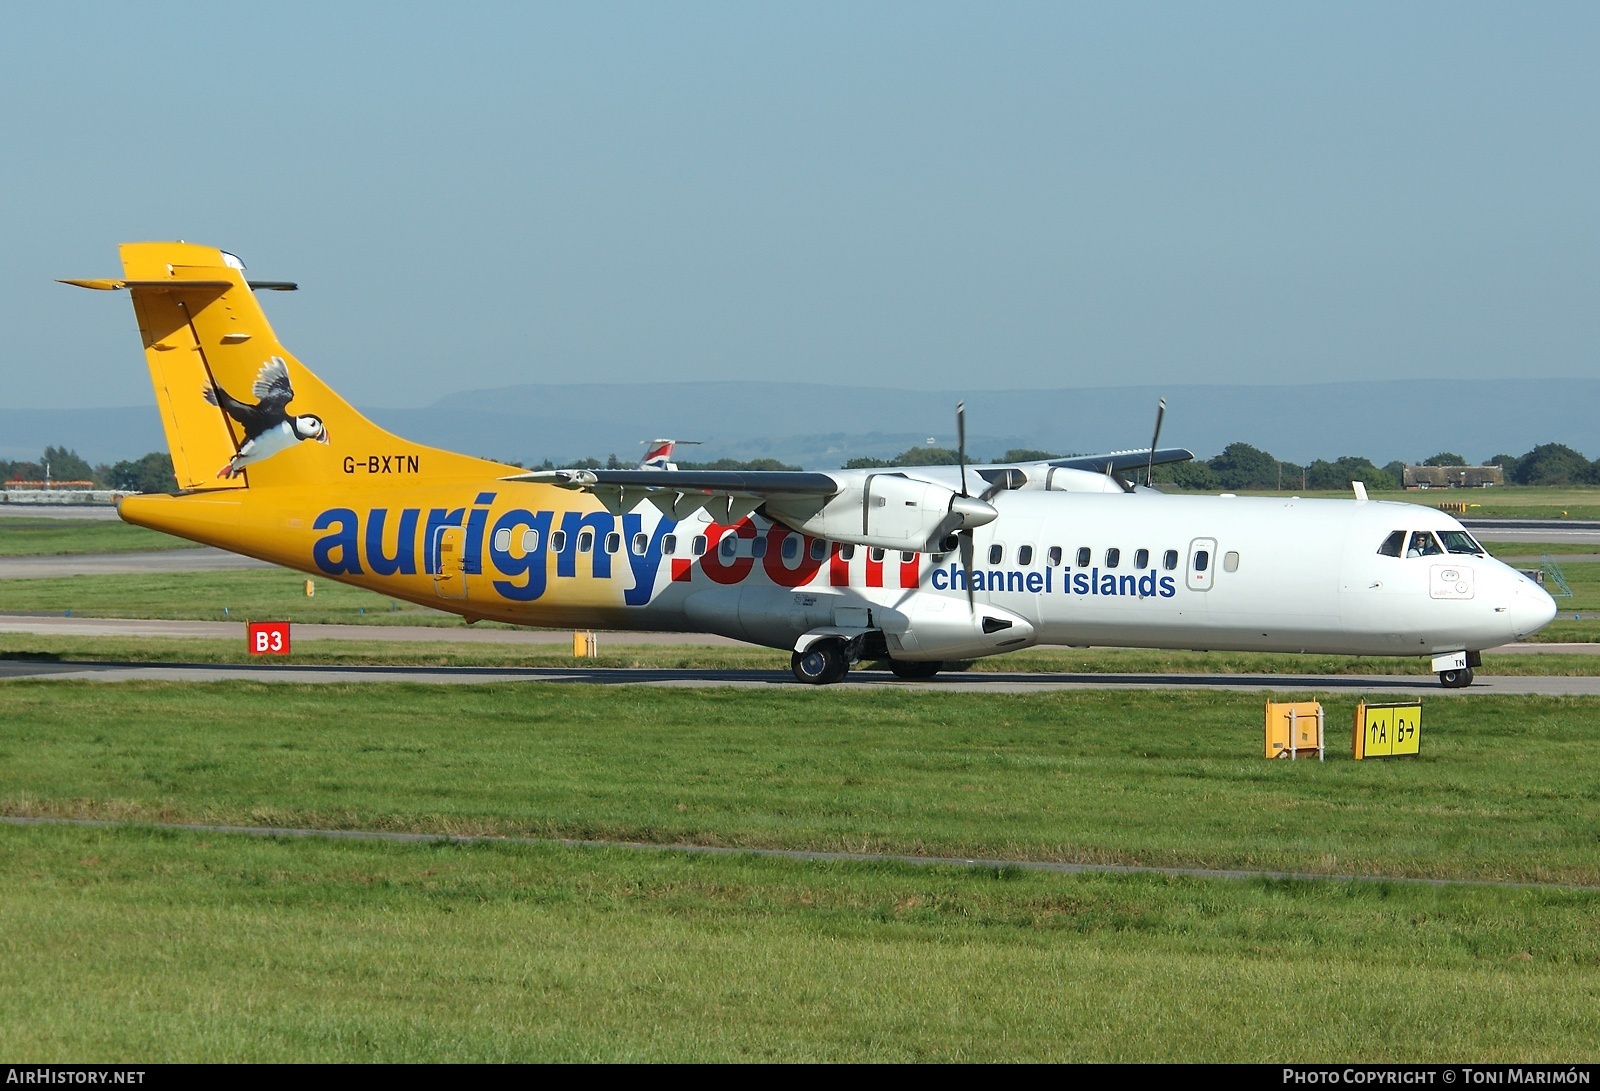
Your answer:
<point x="1459" y="541"/>
<point x="1424" y="544"/>
<point x="1393" y="545"/>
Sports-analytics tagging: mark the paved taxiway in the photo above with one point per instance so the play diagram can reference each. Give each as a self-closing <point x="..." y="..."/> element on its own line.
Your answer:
<point x="973" y="682"/>
<point x="1578" y="531"/>
<point x="136" y="628"/>
<point x="56" y="625"/>
<point x="155" y="562"/>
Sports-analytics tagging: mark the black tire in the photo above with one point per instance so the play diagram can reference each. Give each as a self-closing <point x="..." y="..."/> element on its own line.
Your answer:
<point x="911" y="671"/>
<point x="822" y="664"/>
<point x="1457" y="679"/>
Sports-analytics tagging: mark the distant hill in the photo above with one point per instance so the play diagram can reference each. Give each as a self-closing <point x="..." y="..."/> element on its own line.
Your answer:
<point x="822" y="427"/>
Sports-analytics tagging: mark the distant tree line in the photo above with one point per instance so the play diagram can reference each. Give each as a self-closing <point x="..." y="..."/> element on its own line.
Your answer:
<point x="612" y="462"/>
<point x="1243" y="467"/>
<point x="152" y="473"/>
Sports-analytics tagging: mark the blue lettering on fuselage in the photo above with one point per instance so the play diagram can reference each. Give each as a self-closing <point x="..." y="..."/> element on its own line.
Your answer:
<point x="520" y="578"/>
<point x="1147" y="585"/>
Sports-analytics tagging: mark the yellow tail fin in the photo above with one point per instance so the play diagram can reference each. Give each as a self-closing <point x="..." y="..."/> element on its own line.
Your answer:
<point x="238" y="409"/>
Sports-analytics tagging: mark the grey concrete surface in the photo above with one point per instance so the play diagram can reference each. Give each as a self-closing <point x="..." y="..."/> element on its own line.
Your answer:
<point x="58" y="511"/>
<point x="1412" y="685"/>
<point x="197" y="559"/>
<point x="55" y="625"/>
<point x="1580" y="531"/>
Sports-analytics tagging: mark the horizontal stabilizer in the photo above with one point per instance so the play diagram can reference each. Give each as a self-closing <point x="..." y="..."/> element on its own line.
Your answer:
<point x="177" y="285"/>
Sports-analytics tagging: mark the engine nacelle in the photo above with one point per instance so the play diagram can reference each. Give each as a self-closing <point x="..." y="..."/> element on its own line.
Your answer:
<point x="888" y="510"/>
<point x="938" y="628"/>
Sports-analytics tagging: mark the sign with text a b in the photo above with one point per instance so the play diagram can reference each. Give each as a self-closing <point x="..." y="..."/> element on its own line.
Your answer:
<point x="1388" y="731"/>
<point x="267" y="638"/>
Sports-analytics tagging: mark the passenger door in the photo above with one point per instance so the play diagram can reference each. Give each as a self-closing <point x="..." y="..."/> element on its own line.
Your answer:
<point x="450" y="579"/>
<point x="1202" y="563"/>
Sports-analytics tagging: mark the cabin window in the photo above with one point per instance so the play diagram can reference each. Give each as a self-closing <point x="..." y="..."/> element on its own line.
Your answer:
<point x="1054" y="557"/>
<point x="1113" y="557"/>
<point x="819" y="549"/>
<point x="1393" y="545"/>
<point x="1083" y="556"/>
<point x="758" y="548"/>
<point x="1459" y="541"/>
<point x="729" y="545"/>
<point x="698" y="546"/>
<point x="1141" y="558"/>
<point x="997" y="553"/>
<point x="669" y="544"/>
<point x="1169" y="560"/>
<point x="1230" y="561"/>
<point x="791" y="548"/>
<point x="907" y="556"/>
<point x="1025" y="555"/>
<point x="1423" y="544"/>
<point x="847" y="553"/>
<point x="641" y="544"/>
<point x="613" y="542"/>
<point x="1202" y="560"/>
<point x="875" y="554"/>
<point x="558" y="541"/>
<point x="502" y="540"/>
<point x="530" y="540"/>
<point x="585" y="541"/>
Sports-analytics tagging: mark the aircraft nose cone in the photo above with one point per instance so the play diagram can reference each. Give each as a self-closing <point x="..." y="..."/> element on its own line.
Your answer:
<point x="1532" y="609"/>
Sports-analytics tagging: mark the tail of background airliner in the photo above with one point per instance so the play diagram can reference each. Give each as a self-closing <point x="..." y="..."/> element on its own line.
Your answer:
<point x="239" y="410"/>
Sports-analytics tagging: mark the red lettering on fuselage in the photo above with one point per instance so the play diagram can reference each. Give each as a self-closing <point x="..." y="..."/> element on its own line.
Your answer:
<point x="778" y="570"/>
<point x="838" y="568"/>
<point x="727" y="570"/>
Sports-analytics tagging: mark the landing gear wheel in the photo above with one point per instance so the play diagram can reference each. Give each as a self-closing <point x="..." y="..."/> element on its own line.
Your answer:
<point x="1456" y="679"/>
<point x="822" y="664"/>
<point x="909" y="670"/>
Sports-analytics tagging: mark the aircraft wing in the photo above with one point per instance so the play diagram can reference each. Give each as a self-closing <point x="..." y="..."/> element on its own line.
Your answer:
<point x="1118" y="461"/>
<point x="727" y="494"/>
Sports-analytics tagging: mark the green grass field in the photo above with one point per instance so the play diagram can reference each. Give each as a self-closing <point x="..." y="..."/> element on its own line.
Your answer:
<point x="21" y="536"/>
<point x="131" y="944"/>
<point x="1504" y="789"/>
<point x="137" y="946"/>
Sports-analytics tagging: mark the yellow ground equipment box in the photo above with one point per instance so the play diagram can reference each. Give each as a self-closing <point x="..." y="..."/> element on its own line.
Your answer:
<point x="1294" y="728"/>
<point x="1388" y="731"/>
<point x="584" y="645"/>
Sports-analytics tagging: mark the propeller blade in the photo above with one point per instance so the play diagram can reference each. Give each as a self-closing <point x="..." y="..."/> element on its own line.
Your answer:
<point x="967" y="548"/>
<point x="1150" y="468"/>
<point x="961" y="443"/>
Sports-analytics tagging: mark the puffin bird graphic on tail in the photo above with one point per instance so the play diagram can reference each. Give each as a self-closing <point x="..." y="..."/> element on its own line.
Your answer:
<point x="268" y="426"/>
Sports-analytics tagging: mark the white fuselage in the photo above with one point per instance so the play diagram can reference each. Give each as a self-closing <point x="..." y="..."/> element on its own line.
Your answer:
<point x="1276" y="575"/>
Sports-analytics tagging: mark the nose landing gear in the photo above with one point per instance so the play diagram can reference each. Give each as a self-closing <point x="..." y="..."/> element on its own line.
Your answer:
<point x="1456" y="679"/>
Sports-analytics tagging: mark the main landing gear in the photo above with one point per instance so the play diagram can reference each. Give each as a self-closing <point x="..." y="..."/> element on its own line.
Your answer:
<point x="822" y="664"/>
<point x="1456" y="679"/>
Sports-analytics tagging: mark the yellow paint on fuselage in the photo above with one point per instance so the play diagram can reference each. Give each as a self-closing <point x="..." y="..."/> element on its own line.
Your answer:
<point x="263" y="495"/>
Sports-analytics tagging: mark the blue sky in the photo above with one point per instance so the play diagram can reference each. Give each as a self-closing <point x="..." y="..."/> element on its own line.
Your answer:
<point x="1011" y="196"/>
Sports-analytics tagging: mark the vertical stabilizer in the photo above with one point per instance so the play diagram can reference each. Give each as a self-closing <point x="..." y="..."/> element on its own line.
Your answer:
<point x="238" y="409"/>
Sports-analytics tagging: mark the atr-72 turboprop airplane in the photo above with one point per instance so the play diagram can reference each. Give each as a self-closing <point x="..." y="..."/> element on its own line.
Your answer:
<point x="916" y="566"/>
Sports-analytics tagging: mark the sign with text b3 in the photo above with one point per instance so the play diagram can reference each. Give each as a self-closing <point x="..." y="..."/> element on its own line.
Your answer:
<point x="268" y="638"/>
